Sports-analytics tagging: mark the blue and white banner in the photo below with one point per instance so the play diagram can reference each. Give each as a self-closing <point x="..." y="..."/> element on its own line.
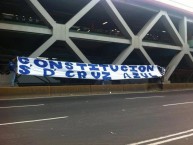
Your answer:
<point x="51" y="68"/>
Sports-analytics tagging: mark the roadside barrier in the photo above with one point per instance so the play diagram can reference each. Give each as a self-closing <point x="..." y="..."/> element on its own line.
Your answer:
<point x="51" y="91"/>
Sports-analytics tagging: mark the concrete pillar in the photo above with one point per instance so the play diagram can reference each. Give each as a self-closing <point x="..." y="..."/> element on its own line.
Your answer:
<point x="43" y="47"/>
<point x="117" y="19"/>
<point x="183" y="29"/>
<point x="41" y="12"/>
<point x="172" y="65"/>
<point x="123" y="55"/>
<point x="77" y="51"/>
<point x="149" y="25"/>
<point x="172" y="30"/>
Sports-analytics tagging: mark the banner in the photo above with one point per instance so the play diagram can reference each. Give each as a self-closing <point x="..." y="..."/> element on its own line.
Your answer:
<point x="51" y="68"/>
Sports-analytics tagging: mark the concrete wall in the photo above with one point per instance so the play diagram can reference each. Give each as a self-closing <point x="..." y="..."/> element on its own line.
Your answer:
<point x="54" y="91"/>
<point x="50" y="91"/>
<point x="5" y="80"/>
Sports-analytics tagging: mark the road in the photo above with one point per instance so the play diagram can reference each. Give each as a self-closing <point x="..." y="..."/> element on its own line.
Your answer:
<point x="116" y="119"/>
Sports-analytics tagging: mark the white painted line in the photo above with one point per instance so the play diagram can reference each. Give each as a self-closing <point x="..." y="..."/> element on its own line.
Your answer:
<point x="31" y="121"/>
<point x="177" y="104"/>
<point x="21" y="106"/>
<point x="171" y="139"/>
<point x="145" y="97"/>
<point x="162" y="137"/>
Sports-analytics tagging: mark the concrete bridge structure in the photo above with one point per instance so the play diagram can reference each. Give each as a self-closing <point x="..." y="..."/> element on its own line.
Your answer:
<point x="97" y="31"/>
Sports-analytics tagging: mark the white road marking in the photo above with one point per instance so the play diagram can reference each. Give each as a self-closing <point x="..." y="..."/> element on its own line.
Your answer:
<point x="177" y="104"/>
<point x="145" y="97"/>
<point x="163" y="137"/>
<point x="31" y="121"/>
<point x="171" y="139"/>
<point x="22" y="106"/>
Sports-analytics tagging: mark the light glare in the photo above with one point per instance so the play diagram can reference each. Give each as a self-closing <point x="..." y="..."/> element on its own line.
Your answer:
<point x="182" y="4"/>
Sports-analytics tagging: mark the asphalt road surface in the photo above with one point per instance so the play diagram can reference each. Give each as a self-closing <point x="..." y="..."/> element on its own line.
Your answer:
<point x="141" y="118"/>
